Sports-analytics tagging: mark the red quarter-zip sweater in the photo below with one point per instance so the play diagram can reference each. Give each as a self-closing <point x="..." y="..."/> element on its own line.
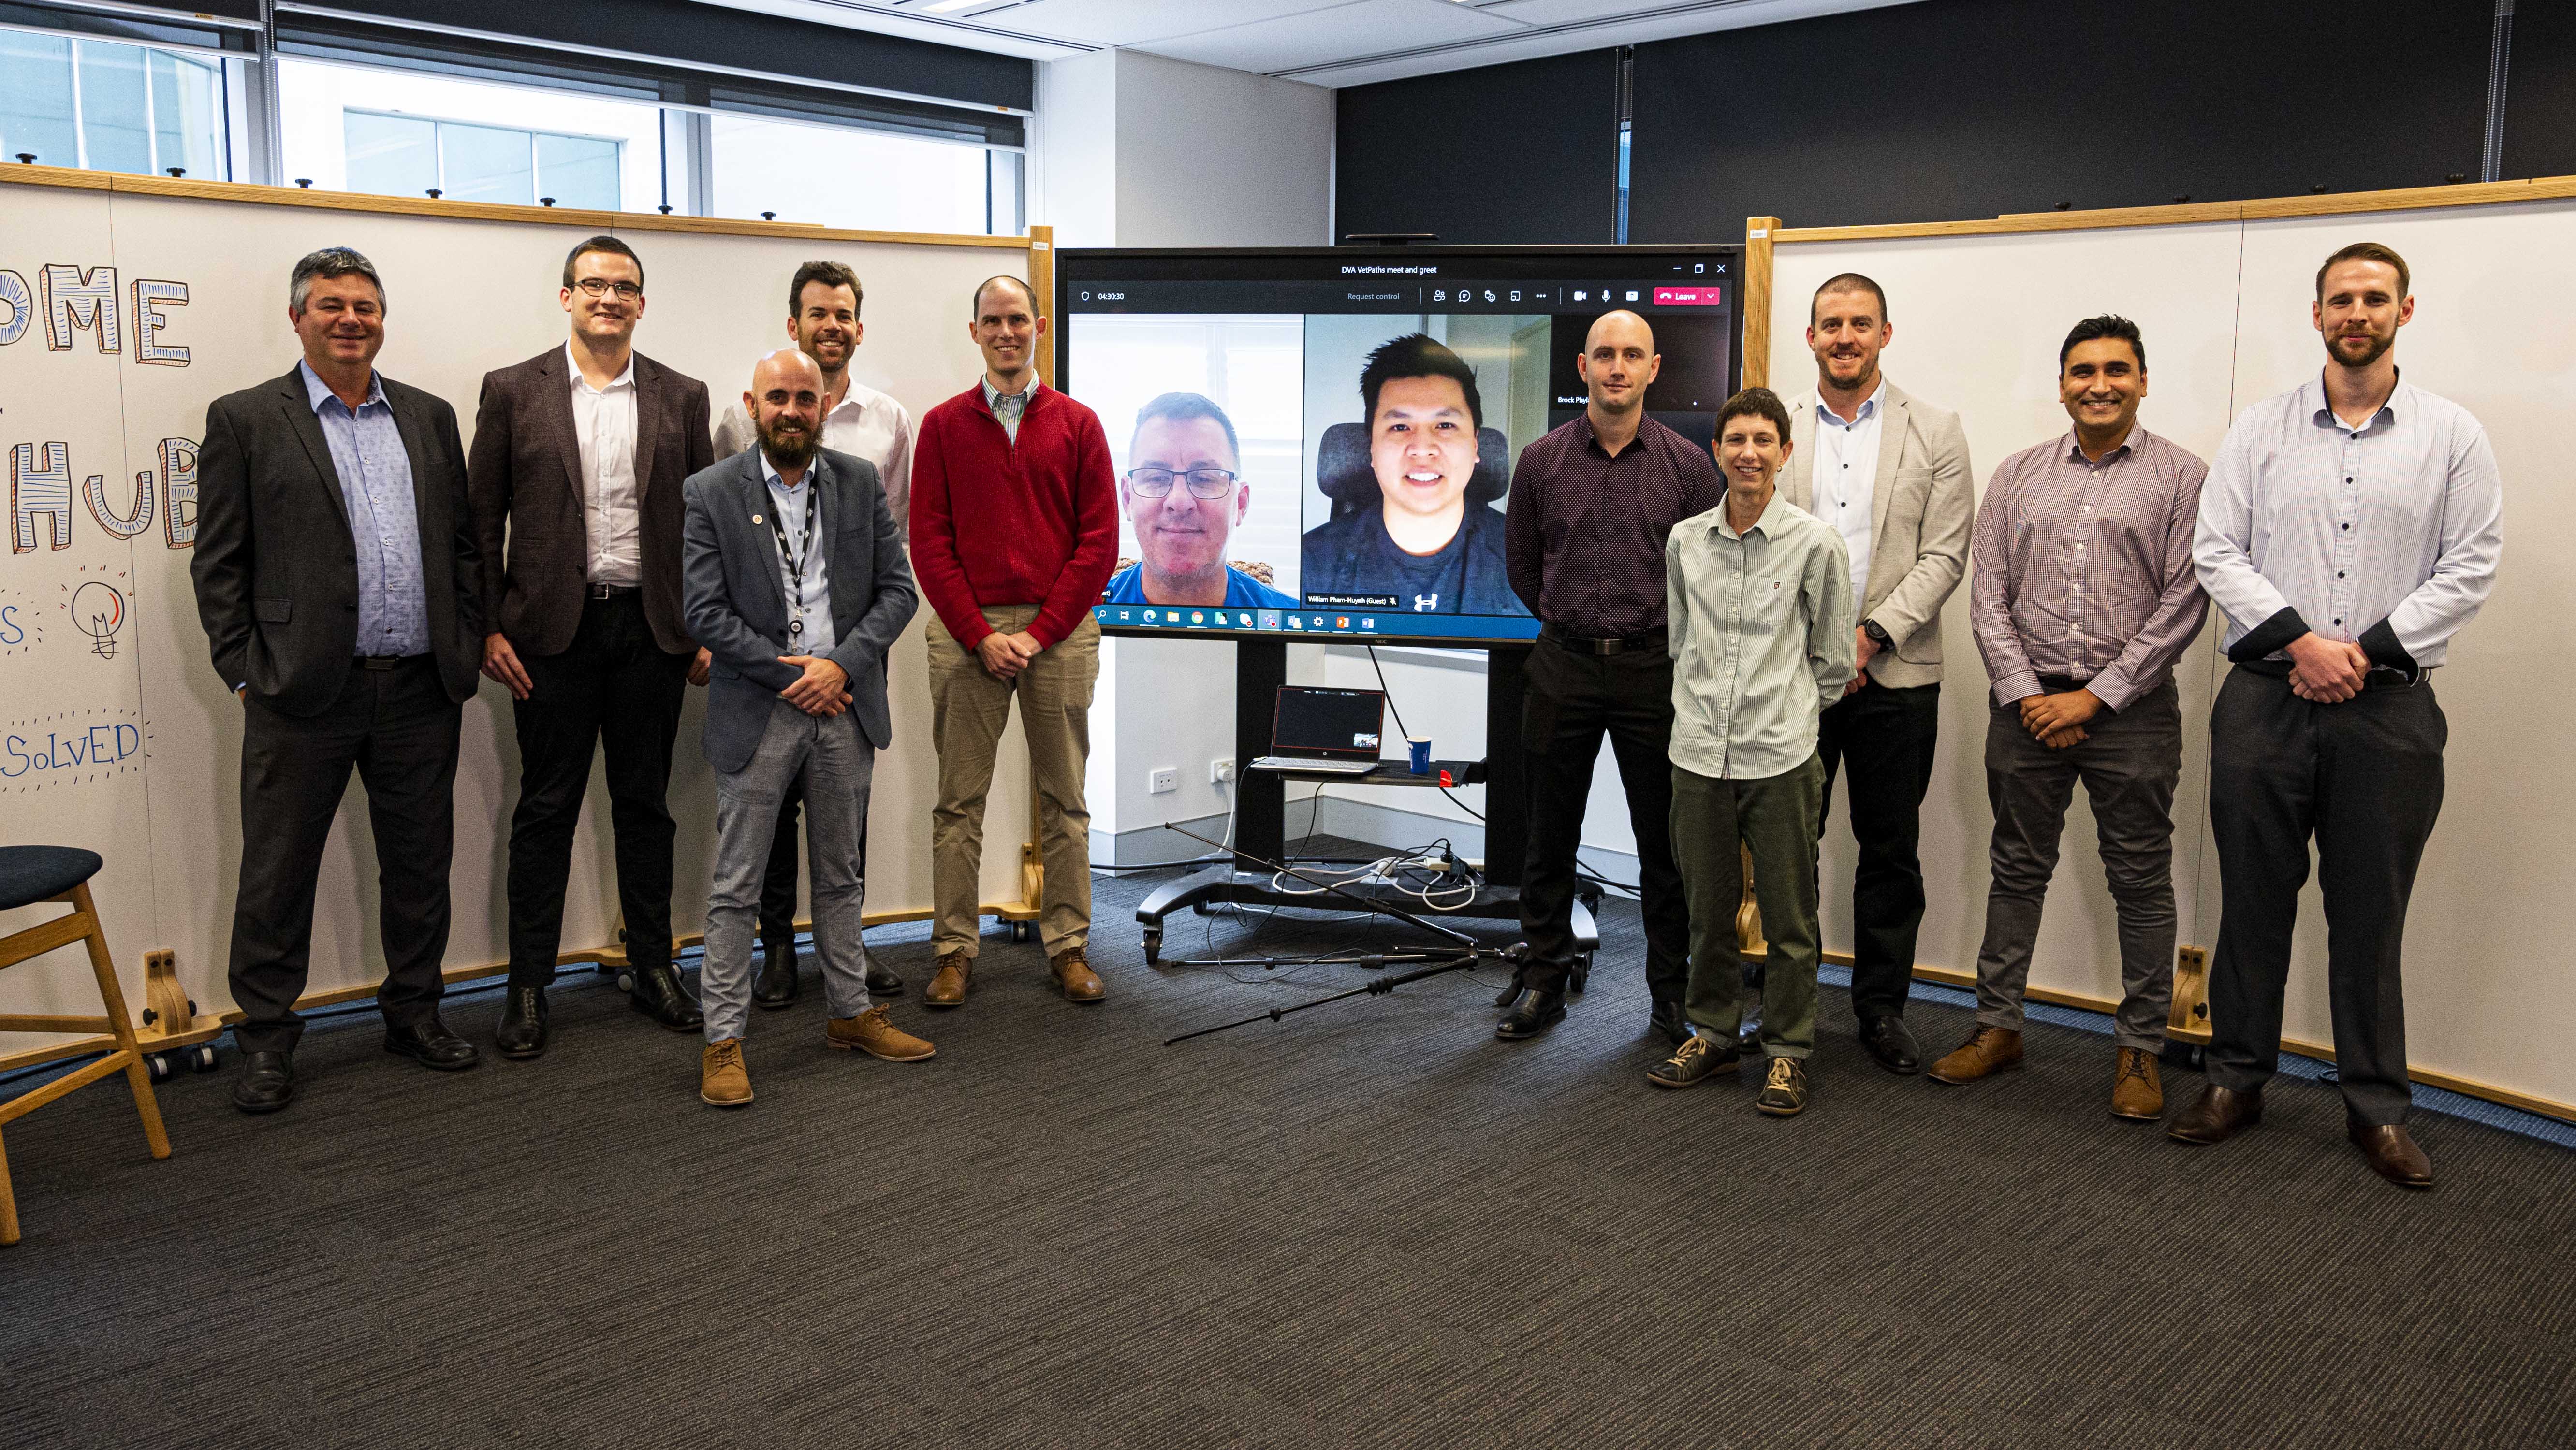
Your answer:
<point x="996" y="523"/>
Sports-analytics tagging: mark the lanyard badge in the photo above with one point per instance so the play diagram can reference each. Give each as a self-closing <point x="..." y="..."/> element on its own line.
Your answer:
<point x="796" y="559"/>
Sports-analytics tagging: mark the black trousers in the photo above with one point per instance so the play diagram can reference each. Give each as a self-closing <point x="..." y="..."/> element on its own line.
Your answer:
<point x="613" y="687"/>
<point x="400" y="731"/>
<point x="1880" y="740"/>
<point x="1574" y="700"/>
<point x="2364" y="778"/>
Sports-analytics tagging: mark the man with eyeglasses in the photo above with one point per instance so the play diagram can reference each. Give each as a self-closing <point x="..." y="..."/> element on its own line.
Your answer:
<point x="579" y="454"/>
<point x="1183" y="493"/>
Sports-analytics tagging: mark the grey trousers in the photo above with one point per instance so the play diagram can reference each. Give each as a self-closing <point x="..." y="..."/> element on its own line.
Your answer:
<point x="2129" y="763"/>
<point x="835" y="765"/>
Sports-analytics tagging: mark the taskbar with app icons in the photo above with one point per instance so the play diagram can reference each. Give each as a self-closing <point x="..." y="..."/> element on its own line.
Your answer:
<point x="1338" y="621"/>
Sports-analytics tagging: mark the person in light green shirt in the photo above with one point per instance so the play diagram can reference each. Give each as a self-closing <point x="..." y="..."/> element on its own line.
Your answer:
<point x="1759" y="605"/>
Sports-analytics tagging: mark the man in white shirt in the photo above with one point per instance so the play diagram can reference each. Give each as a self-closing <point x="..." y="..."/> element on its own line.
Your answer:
<point x="578" y="455"/>
<point x="823" y="302"/>
<point x="2348" y="529"/>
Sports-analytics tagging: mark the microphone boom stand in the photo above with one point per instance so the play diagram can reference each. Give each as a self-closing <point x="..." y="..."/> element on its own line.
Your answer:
<point x="1463" y="950"/>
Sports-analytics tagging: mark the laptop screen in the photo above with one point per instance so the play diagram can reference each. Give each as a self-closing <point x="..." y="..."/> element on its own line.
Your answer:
<point x="1334" y="724"/>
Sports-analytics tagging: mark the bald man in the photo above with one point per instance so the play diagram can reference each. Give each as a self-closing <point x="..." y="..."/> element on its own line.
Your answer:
<point x="794" y="579"/>
<point x="1591" y="504"/>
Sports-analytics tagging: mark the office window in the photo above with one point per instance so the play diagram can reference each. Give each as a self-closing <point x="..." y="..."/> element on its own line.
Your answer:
<point x="845" y="176"/>
<point x="398" y="133"/>
<point x="101" y="106"/>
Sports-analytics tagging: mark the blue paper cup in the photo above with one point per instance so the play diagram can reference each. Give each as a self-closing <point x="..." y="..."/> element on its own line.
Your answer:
<point x="1420" y="745"/>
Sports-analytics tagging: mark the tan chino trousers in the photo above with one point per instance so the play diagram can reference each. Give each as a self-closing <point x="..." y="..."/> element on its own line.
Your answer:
<point x="968" y="710"/>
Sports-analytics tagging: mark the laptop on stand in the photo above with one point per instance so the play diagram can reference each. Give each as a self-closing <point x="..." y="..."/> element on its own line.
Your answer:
<point x="1319" y="731"/>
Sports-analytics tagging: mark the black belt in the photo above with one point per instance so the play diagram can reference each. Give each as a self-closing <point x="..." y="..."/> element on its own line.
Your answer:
<point x="1653" y="639"/>
<point x="2379" y="677"/>
<point x="611" y="591"/>
<point x="387" y="662"/>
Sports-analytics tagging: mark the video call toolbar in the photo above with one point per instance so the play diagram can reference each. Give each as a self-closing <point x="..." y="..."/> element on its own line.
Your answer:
<point x="1309" y="621"/>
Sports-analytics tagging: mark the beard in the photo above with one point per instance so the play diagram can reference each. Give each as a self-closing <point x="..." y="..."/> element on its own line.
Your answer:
<point x="2380" y="343"/>
<point x="787" y="446"/>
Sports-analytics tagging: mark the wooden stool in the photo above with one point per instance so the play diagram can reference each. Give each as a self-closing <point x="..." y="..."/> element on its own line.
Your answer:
<point x="29" y="874"/>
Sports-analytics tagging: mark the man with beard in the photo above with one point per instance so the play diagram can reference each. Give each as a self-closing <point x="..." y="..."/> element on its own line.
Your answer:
<point x="796" y="580"/>
<point x="823" y="301"/>
<point x="1889" y="472"/>
<point x="1184" y="493"/>
<point x="579" y="454"/>
<point x="2348" y="529"/>
<point x="1424" y="544"/>
<point x="1592" y="505"/>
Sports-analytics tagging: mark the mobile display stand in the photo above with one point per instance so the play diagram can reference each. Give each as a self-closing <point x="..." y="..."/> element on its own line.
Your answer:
<point x="1260" y="823"/>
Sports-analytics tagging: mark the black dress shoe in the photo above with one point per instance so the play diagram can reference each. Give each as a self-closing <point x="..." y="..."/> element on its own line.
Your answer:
<point x="429" y="1043"/>
<point x="522" y="1033"/>
<point x="660" y="995"/>
<point x="882" y="982"/>
<point x="775" y="987"/>
<point x="1532" y="1013"/>
<point x="267" y="1082"/>
<point x="1667" y="1019"/>
<point x="1891" y="1045"/>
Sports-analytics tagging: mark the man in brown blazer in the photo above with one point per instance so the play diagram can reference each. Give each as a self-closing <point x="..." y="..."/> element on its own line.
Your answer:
<point x="578" y="458"/>
<point x="1889" y="472"/>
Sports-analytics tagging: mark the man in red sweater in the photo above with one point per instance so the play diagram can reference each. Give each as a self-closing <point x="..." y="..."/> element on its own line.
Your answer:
<point x="1014" y="533"/>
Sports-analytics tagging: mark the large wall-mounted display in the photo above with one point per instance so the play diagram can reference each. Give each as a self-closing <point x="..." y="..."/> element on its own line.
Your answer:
<point x="1321" y="441"/>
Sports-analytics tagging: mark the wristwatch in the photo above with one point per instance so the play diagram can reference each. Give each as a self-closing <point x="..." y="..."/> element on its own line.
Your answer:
<point x="1876" y="635"/>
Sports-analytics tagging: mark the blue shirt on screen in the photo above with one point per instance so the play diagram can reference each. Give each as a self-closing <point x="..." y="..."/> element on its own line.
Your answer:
<point x="384" y="521"/>
<point x="1242" y="591"/>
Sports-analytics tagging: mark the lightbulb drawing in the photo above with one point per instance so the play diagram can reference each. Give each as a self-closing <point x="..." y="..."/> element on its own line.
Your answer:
<point x="98" y="610"/>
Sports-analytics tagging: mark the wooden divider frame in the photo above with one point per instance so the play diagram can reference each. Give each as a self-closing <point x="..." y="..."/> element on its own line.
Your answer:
<point x="162" y="990"/>
<point x="2189" y="1019"/>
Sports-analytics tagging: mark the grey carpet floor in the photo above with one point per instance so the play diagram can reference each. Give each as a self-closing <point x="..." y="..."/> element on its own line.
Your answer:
<point x="1371" y="1224"/>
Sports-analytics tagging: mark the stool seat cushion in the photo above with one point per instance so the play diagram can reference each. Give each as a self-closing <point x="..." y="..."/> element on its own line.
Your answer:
<point x="39" y="873"/>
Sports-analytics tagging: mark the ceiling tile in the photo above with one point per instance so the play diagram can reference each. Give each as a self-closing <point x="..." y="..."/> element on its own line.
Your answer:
<point x="1362" y="27"/>
<point x="1137" y="22"/>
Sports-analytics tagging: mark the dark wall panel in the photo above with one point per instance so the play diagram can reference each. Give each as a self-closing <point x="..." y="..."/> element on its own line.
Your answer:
<point x="1526" y="152"/>
<point x="1957" y="109"/>
<point x="2540" y="97"/>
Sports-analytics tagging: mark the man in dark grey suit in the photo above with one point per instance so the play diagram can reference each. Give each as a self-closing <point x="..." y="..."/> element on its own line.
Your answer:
<point x="794" y="579"/>
<point x="337" y="579"/>
<point x="579" y="454"/>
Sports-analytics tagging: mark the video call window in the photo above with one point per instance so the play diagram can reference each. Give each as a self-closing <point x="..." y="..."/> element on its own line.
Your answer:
<point x="1322" y="442"/>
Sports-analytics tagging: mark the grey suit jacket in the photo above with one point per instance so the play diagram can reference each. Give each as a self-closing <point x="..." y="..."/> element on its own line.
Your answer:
<point x="1921" y="511"/>
<point x="735" y="599"/>
<point x="275" y="568"/>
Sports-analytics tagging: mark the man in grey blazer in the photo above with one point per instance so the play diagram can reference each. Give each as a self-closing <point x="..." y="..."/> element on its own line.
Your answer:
<point x="793" y="577"/>
<point x="1890" y="473"/>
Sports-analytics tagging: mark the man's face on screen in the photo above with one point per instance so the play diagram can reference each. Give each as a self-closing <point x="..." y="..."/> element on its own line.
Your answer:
<point x="1422" y="444"/>
<point x="1180" y="535"/>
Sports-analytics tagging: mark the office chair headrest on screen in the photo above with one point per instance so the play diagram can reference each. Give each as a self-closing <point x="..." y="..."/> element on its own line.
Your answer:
<point x="1342" y="468"/>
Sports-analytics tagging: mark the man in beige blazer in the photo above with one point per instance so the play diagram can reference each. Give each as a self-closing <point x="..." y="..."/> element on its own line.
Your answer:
<point x="1888" y="472"/>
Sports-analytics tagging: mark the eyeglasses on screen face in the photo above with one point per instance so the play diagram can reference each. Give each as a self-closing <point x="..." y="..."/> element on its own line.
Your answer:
<point x="1206" y="483"/>
<point x="601" y="287"/>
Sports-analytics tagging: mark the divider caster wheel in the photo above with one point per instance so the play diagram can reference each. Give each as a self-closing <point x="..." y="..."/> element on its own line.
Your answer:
<point x="626" y="979"/>
<point x="1153" y="945"/>
<point x="1023" y="931"/>
<point x="203" y="1057"/>
<point x="162" y="1066"/>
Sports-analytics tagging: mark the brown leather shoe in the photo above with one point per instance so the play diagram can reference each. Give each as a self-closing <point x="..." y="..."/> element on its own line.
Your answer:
<point x="2218" y="1115"/>
<point x="870" y="1032"/>
<point x="948" y="984"/>
<point x="2392" y="1153"/>
<point x="723" y="1082"/>
<point x="1988" y="1050"/>
<point x="2137" y="1089"/>
<point x="1074" y="974"/>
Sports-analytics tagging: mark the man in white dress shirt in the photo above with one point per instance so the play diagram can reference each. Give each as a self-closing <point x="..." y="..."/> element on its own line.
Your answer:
<point x="823" y="302"/>
<point x="2348" y="529"/>
<point x="575" y="475"/>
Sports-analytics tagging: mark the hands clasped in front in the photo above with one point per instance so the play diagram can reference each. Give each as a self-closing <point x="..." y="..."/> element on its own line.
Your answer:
<point x="823" y="692"/>
<point x="1005" y="655"/>
<point x="2326" y="671"/>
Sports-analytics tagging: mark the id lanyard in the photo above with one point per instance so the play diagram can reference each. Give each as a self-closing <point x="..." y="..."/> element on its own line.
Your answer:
<point x="795" y="560"/>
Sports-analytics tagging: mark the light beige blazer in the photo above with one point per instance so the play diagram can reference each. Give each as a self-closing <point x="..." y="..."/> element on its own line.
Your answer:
<point x="1920" y="512"/>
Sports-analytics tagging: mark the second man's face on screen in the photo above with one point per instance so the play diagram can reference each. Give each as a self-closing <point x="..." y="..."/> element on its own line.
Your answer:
<point x="1180" y="535"/>
<point x="1422" y="444"/>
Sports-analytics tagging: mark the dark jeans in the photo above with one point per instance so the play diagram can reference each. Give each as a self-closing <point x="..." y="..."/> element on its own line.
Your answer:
<point x="1573" y="700"/>
<point x="613" y="687"/>
<point x="400" y="731"/>
<point x="1773" y="820"/>
<point x="2129" y="762"/>
<point x="1881" y="740"/>
<point x="2365" y="779"/>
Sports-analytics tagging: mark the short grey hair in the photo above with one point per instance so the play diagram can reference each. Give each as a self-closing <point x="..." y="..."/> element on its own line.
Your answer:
<point x="330" y="262"/>
<point x="1182" y="408"/>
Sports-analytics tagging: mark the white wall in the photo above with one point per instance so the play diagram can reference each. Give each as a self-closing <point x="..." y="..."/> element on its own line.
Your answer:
<point x="1135" y="150"/>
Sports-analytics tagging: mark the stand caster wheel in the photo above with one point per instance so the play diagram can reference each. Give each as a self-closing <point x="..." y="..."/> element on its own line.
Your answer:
<point x="1153" y="946"/>
<point x="203" y="1058"/>
<point x="1200" y="907"/>
<point x="1580" y="977"/>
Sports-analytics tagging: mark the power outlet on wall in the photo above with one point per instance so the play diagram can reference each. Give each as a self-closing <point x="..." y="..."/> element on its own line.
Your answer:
<point x="1165" y="778"/>
<point x="1221" y="771"/>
